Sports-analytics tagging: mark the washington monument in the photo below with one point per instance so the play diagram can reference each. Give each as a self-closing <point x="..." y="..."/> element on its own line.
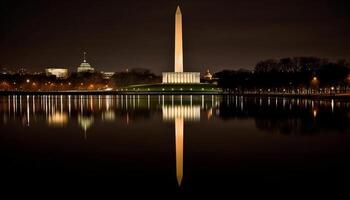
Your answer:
<point x="179" y="76"/>
<point x="178" y="41"/>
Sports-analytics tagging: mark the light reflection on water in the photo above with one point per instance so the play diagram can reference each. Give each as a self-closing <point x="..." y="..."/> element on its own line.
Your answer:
<point x="58" y="110"/>
<point x="285" y="116"/>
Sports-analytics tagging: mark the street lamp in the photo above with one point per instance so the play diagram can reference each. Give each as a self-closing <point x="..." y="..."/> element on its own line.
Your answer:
<point x="314" y="83"/>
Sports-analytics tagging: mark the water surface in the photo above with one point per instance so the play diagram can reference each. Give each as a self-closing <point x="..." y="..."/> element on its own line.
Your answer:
<point x="173" y="143"/>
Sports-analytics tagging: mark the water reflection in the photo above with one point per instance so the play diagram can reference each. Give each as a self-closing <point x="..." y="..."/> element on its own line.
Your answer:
<point x="289" y="116"/>
<point x="58" y="119"/>
<point x="281" y="115"/>
<point x="57" y="110"/>
<point x="270" y="115"/>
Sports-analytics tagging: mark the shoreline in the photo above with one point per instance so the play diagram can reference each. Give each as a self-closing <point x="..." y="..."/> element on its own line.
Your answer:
<point x="82" y="92"/>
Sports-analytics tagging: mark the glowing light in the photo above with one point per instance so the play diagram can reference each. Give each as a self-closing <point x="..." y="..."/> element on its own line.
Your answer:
<point x="314" y="113"/>
<point x="58" y="119"/>
<point x="28" y="81"/>
<point x="179" y="131"/>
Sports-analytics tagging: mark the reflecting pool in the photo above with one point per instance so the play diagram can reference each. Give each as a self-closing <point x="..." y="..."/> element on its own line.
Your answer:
<point x="179" y="143"/>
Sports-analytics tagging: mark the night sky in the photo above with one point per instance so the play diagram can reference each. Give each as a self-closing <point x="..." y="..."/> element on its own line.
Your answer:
<point x="218" y="34"/>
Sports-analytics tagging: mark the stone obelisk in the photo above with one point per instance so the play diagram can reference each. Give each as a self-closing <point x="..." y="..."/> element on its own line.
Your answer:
<point x="178" y="41"/>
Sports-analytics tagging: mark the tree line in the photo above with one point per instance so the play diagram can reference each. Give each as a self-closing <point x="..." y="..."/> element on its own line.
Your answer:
<point x="76" y="81"/>
<point x="289" y="75"/>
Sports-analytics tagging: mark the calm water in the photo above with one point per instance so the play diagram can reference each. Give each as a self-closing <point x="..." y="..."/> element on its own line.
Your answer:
<point x="173" y="143"/>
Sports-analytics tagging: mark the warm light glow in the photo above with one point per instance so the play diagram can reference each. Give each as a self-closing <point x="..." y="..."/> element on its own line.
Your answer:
<point x="58" y="119"/>
<point x="178" y="41"/>
<point x="178" y="76"/>
<point x="179" y="131"/>
<point x="186" y="112"/>
<point x="58" y="72"/>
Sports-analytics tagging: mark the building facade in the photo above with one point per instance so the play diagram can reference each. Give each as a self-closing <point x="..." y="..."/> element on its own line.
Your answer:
<point x="107" y="75"/>
<point x="61" y="73"/>
<point x="181" y="77"/>
<point x="85" y="67"/>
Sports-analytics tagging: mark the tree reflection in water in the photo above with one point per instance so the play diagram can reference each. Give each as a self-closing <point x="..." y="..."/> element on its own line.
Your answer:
<point x="289" y="116"/>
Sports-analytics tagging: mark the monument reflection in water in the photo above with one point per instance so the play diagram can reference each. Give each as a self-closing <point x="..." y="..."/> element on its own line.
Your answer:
<point x="58" y="110"/>
<point x="218" y="124"/>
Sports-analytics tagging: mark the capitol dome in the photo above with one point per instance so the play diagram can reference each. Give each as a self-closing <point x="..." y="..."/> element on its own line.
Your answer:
<point x="85" y="66"/>
<point x="207" y="75"/>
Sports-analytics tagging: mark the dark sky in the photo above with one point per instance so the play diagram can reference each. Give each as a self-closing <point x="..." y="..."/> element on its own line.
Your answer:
<point x="218" y="34"/>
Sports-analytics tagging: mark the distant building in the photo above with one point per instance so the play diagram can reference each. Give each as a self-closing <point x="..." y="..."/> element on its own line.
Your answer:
<point x="4" y="71"/>
<point x="22" y="71"/>
<point x="85" y="67"/>
<point x="107" y="75"/>
<point x="207" y="76"/>
<point x="60" y="73"/>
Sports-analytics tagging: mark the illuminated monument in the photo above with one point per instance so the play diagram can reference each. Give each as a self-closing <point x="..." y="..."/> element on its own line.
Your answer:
<point x="85" y="67"/>
<point x="178" y="76"/>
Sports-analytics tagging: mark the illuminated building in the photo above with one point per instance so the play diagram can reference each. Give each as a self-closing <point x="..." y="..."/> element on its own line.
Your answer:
<point x="107" y="75"/>
<point x="22" y="71"/>
<point x="61" y="73"/>
<point x="178" y="76"/>
<point x="207" y="75"/>
<point x="85" y="67"/>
